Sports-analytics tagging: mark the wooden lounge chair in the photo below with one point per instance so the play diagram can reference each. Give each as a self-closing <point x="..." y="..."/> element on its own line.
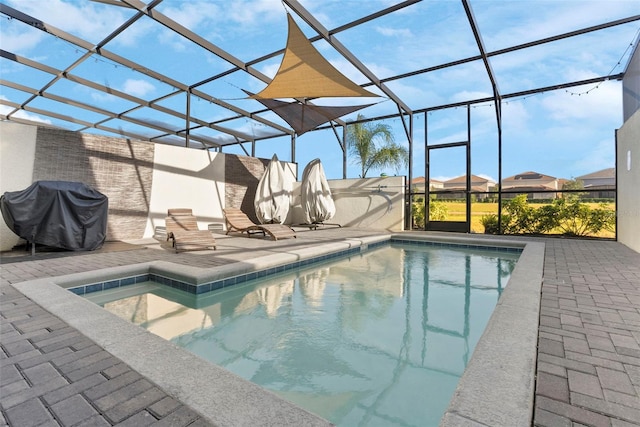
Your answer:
<point x="239" y="221"/>
<point x="183" y="231"/>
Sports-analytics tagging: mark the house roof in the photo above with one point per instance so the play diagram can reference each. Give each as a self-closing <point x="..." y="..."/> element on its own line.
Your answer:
<point x="462" y="189"/>
<point x="422" y="179"/>
<point x="528" y="187"/>
<point x="463" y="178"/>
<point x="604" y="173"/>
<point x="529" y="175"/>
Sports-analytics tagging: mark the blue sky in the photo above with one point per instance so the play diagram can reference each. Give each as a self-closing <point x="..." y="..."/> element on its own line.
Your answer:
<point x="564" y="133"/>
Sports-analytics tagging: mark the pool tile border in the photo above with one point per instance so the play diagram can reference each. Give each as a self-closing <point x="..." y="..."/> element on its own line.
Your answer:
<point x="477" y="246"/>
<point x="198" y="289"/>
<point x="109" y="284"/>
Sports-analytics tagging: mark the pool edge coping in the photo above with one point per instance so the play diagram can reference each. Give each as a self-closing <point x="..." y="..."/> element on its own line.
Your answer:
<point x="498" y="384"/>
<point x="122" y="339"/>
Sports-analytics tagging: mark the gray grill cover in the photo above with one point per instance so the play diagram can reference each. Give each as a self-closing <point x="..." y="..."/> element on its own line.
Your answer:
<point x="59" y="214"/>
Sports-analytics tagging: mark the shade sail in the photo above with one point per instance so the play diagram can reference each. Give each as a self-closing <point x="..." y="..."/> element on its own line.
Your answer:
<point x="303" y="117"/>
<point x="273" y="195"/>
<point x="317" y="202"/>
<point x="304" y="73"/>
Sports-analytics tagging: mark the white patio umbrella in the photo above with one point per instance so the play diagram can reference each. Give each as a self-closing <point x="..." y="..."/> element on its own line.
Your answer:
<point x="273" y="195"/>
<point x="317" y="201"/>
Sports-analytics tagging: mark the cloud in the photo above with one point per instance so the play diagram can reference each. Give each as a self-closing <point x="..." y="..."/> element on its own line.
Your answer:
<point x="169" y="38"/>
<point x="602" y="103"/>
<point x="444" y="178"/>
<point x="192" y="15"/>
<point x="394" y="32"/>
<point x="85" y="19"/>
<point x="21" y="114"/>
<point x="467" y="95"/>
<point x="599" y="157"/>
<point x="255" y="12"/>
<point x="101" y="97"/>
<point x="515" y="115"/>
<point x="22" y="41"/>
<point x="517" y="23"/>
<point x="137" y="87"/>
<point x="270" y="70"/>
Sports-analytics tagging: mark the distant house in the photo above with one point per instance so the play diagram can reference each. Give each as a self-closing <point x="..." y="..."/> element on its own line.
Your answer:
<point x="434" y="184"/>
<point x="459" y="184"/>
<point x="417" y="184"/>
<point x="600" y="184"/>
<point x="532" y="183"/>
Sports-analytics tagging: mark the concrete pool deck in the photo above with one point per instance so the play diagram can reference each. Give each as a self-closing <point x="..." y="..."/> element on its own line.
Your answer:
<point x="588" y="356"/>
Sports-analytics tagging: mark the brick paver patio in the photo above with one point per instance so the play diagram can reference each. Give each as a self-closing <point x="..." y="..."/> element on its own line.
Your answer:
<point x="589" y="338"/>
<point x="588" y="357"/>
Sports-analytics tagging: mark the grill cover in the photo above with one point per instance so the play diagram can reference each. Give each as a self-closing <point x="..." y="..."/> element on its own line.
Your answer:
<point x="59" y="214"/>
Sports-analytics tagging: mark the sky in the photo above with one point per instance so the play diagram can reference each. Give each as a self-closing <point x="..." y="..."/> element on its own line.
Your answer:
<point x="564" y="133"/>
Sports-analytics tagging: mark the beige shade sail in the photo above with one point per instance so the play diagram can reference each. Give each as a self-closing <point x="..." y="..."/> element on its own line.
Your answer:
<point x="304" y="73"/>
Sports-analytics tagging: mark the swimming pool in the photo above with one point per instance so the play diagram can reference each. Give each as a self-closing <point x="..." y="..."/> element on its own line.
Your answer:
<point x="380" y="338"/>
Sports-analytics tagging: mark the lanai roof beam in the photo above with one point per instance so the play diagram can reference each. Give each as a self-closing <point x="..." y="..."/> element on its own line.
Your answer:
<point x="485" y="60"/>
<point x="510" y="49"/>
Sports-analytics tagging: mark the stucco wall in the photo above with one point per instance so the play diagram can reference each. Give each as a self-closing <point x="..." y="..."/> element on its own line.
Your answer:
<point x="369" y="202"/>
<point x="631" y="85"/>
<point x="184" y="178"/>
<point x="17" y="151"/>
<point x="628" y="178"/>
<point x="599" y="181"/>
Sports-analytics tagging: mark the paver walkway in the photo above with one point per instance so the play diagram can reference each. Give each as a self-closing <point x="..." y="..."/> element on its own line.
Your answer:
<point x="589" y="337"/>
<point x="53" y="375"/>
<point x="588" y="356"/>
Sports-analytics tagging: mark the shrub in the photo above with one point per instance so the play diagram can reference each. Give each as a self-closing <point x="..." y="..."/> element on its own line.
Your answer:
<point x="490" y="223"/>
<point x="522" y="218"/>
<point x="578" y="219"/>
<point x="568" y="215"/>
<point x="437" y="212"/>
<point x="417" y="211"/>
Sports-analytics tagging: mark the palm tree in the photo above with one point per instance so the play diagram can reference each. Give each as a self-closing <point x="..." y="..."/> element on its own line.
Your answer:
<point x="361" y="141"/>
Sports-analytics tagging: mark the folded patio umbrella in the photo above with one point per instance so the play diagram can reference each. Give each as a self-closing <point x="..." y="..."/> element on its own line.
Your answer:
<point x="273" y="195"/>
<point x="317" y="201"/>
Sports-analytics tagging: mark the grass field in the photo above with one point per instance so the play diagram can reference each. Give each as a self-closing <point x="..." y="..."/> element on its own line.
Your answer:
<point x="456" y="212"/>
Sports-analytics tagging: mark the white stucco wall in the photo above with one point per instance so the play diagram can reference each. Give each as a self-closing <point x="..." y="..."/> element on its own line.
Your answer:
<point x="599" y="181"/>
<point x="628" y="178"/>
<point x="186" y="178"/>
<point x="17" y="154"/>
<point x="370" y="202"/>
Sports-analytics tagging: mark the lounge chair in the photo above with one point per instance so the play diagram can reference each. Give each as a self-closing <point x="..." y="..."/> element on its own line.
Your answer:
<point x="183" y="231"/>
<point x="239" y="221"/>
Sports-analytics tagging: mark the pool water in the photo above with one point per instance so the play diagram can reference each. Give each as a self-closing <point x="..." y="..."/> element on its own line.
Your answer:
<point x="377" y="339"/>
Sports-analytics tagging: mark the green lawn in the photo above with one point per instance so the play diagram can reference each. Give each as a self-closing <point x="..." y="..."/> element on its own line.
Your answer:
<point x="457" y="212"/>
